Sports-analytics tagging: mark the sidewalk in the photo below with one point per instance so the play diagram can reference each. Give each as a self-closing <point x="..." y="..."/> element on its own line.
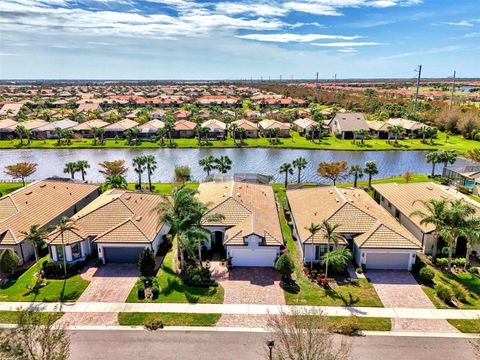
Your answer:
<point x="249" y="309"/>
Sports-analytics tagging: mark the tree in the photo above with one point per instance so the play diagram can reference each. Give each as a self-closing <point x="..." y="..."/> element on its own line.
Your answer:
<point x="113" y="168"/>
<point x="434" y="158"/>
<point x="59" y="133"/>
<point x="408" y="176"/>
<point x="223" y="164"/>
<point x="305" y="334"/>
<point x="331" y="235"/>
<point x="9" y="261"/>
<point x="312" y="229"/>
<point x="287" y="169"/>
<point x="116" y="182"/>
<point x="359" y="134"/>
<point x="161" y="135"/>
<point x="472" y="235"/>
<point x="65" y="224"/>
<point x="473" y="154"/>
<point x="151" y="164"/>
<point x="169" y="126"/>
<point x="233" y="129"/>
<point x="21" y="170"/>
<point x="285" y="266"/>
<point x="396" y="131"/>
<point x="207" y="163"/>
<point x="447" y="157"/>
<point x="82" y="165"/>
<point x="337" y="259"/>
<point x="357" y="172"/>
<point x="300" y="164"/>
<point x="370" y="169"/>
<point x="70" y="168"/>
<point x="139" y="167"/>
<point x="182" y="174"/>
<point x="37" y="337"/>
<point x="332" y="170"/>
<point x="424" y="131"/>
<point x="21" y="131"/>
<point x="146" y="263"/>
<point x="35" y="236"/>
<point x="242" y="133"/>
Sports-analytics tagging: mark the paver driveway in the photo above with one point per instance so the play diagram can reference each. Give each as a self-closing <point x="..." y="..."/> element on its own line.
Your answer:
<point x="248" y="285"/>
<point x="109" y="283"/>
<point x="399" y="289"/>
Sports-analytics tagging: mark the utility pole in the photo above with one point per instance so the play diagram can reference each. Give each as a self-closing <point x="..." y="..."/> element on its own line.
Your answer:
<point x="453" y="91"/>
<point x="335" y="83"/>
<point x="316" y="81"/>
<point x="280" y="77"/>
<point x="419" y="70"/>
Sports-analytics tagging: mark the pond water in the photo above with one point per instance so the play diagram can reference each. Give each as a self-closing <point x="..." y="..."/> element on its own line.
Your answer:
<point x="263" y="161"/>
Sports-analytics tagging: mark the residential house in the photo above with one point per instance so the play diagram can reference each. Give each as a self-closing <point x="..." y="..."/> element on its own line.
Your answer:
<point x="251" y="129"/>
<point x="117" y="226"/>
<point x="303" y="126"/>
<point x="265" y="125"/>
<point x="468" y="176"/>
<point x="150" y="128"/>
<point x="374" y="237"/>
<point x="119" y="128"/>
<point x="7" y="128"/>
<point x="411" y="127"/>
<point x="346" y="124"/>
<point x="33" y="124"/>
<point x="158" y="114"/>
<point x="48" y="131"/>
<point x="216" y="129"/>
<point x="250" y="232"/>
<point x="402" y="200"/>
<point x="378" y="129"/>
<point x="184" y="129"/>
<point x="41" y="203"/>
<point x="85" y="129"/>
<point x="89" y="107"/>
<point x="11" y="110"/>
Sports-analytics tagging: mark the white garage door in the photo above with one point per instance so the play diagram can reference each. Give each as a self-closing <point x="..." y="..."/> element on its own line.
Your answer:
<point x="256" y="257"/>
<point x="388" y="261"/>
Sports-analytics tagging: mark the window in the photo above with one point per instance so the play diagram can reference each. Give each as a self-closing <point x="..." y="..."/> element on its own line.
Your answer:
<point x="59" y="252"/>
<point x="317" y="252"/>
<point x="76" y="251"/>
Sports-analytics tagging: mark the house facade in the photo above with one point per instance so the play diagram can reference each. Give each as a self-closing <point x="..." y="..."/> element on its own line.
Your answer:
<point x="346" y="124"/>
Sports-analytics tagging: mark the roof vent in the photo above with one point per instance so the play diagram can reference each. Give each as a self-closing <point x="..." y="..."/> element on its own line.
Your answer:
<point x="29" y="192"/>
<point x="138" y="218"/>
<point x="224" y="194"/>
<point x="238" y="194"/>
<point x="43" y="185"/>
<point x="337" y="199"/>
<point x="128" y="197"/>
<point x="331" y="191"/>
<point x="429" y="188"/>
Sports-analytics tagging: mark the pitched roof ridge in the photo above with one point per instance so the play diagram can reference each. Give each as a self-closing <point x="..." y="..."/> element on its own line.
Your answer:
<point x="113" y="199"/>
<point x="368" y="234"/>
<point x="398" y="233"/>
<point x="118" y="226"/>
<point x="269" y="233"/>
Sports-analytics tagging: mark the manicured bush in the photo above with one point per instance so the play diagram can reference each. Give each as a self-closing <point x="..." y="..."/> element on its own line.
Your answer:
<point x="441" y="262"/>
<point x="9" y="261"/>
<point x="285" y="266"/>
<point x="153" y="324"/>
<point x="140" y="289"/>
<point x="199" y="277"/>
<point x="459" y="292"/>
<point x="444" y="292"/>
<point x="146" y="263"/>
<point x="54" y="270"/>
<point x="348" y="326"/>
<point x="426" y="274"/>
<point x="459" y="262"/>
<point x="473" y="270"/>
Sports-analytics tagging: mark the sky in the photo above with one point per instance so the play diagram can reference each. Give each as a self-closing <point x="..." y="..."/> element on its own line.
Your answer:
<point x="224" y="39"/>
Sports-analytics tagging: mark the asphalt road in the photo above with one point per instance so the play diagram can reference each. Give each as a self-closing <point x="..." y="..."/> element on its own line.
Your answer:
<point x="166" y="345"/>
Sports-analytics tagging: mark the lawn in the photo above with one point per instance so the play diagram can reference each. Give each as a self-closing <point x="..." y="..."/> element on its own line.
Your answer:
<point x="11" y="317"/>
<point x="8" y="187"/>
<point x="453" y="142"/>
<point x="164" y="188"/>
<point x="306" y="293"/>
<point x="466" y="326"/>
<point x="55" y="290"/>
<point x="173" y="290"/>
<point x="168" y="319"/>
<point x="366" y="323"/>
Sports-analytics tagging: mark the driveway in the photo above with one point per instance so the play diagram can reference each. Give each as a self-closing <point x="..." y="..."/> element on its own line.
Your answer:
<point x="109" y="283"/>
<point x="399" y="289"/>
<point x="248" y="285"/>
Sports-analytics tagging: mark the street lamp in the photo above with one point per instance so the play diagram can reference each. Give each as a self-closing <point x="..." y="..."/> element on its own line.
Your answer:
<point x="270" y="344"/>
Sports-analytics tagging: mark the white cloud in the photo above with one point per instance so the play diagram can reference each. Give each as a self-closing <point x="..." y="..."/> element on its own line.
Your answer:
<point x="423" y="52"/>
<point x="347" y="50"/>
<point x="259" y="9"/>
<point x="347" y="44"/>
<point x="285" y="38"/>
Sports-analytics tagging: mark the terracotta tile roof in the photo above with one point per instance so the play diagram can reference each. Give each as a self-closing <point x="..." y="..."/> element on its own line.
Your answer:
<point x="273" y="124"/>
<point x="184" y="125"/>
<point x="248" y="209"/>
<point x="377" y="125"/>
<point x="214" y="125"/>
<point x="62" y="124"/>
<point x="33" y="124"/>
<point x="121" y="125"/>
<point x="152" y="126"/>
<point x="349" y="121"/>
<point x="38" y="203"/>
<point x="89" y="125"/>
<point x="405" y="123"/>
<point x="382" y="237"/>
<point x="8" y="125"/>
<point x="304" y="123"/>
<point x="245" y="124"/>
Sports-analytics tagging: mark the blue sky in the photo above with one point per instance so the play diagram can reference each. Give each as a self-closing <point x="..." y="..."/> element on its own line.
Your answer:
<point x="194" y="39"/>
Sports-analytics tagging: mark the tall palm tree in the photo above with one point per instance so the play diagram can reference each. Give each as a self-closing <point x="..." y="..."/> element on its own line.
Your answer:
<point x="82" y="165"/>
<point x="395" y="130"/>
<point x="473" y="238"/>
<point x="169" y="127"/>
<point x="241" y="134"/>
<point x="20" y="130"/>
<point x="312" y="229"/>
<point x="223" y="164"/>
<point x="357" y="172"/>
<point x="370" y="169"/>
<point x="151" y="164"/>
<point x="448" y="157"/>
<point x="433" y="157"/>
<point x="116" y="181"/>
<point x="59" y="133"/>
<point x="207" y="163"/>
<point x="65" y="224"/>
<point x="70" y="168"/>
<point x="233" y="130"/>
<point x="332" y="236"/>
<point x="139" y="168"/>
<point x="287" y="169"/>
<point x="424" y="131"/>
<point x="434" y="214"/>
<point x="299" y="163"/>
<point x="320" y="125"/>
<point x="35" y="236"/>
<point x="161" y="135"/>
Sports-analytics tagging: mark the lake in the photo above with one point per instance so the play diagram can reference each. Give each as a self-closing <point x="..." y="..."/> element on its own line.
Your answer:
<point x="263" y="161"/>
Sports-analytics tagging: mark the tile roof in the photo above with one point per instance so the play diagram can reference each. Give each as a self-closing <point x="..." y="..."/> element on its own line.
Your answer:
<point x="382" y="237"/>
<point x="121" y="125"/>
<point x="273" y="124"/>
<point x="248" y="209"/>
<point x="62" y="124"/>
<point x="38" y="203"/>
<point x="214" y="125"/>
<point x="349" y="121"/>
<point x="152" y="126"/>
<point x="405" y="123"/>
<point x="184" y="125"/>
<point x="8" y="125"/>
<point x="89" y="125"/>
<point x="245" y="124"/>
<point x="33" y="124"/>
<point x="304" y="123"/>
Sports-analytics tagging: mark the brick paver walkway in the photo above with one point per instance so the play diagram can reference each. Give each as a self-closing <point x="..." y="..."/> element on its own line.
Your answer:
<point x="399" y="289"/>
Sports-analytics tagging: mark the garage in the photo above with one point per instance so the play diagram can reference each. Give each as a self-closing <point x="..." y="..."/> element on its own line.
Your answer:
<point x="122" y="254"/>
<point x="253" y="257"/>
<point x="388" y="260"/>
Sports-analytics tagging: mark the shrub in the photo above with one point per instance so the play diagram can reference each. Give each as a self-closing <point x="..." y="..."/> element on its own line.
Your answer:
<point x="463" y="189"/>
<point x="54" y="270"/>
<point x="155" y="291"/>
<point x="359" y="270"/>
<point x="199" y="277"/>
<point x="444" y="292"/>
<point x="285" y="266"/>
<point x="9" y="261"/>
<point x="459" y="292"/>
<point x="146" y="263"/>
<point x="441" y="262"/>
<point x="459" y="262"/>
<point x="473" y="270"/>
<point x="153" y="324"/>
<point x="426" y="274"/>
<point x="348" y="326"/>
<point x="140" y="289"/>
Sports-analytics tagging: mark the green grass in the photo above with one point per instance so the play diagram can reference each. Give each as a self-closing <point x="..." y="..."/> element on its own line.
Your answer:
<point x="476" y="198"/>
<point x="454" y="142"/>
<point x="164" y="188"/>
<point x="173" y="290"/>
<point x="11" y="317"/>
<point x="366" y="323"/>
<point x="306" y="293"/>
<point x="8" y="187"/>
<point x="168" y="319"/>
<point x="466" y="326"/>
<point x="55" y="290"/>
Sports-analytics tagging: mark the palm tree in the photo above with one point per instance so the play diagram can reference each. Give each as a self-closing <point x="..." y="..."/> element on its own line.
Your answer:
<point x="35" y="236"/>
<point x="139" y="168"/>
<point x="448" y="157"/>
<point x="169" y="126"/>
<point x="70" y="168"/>
<point x="299" y="163"/>
<point x="65" y="224"/>
<point x="208" y="164"/>
<point x="473" y="238"/>
<point x="151" y="164"/>
<point x="116" y="182"/>
<point x="59" y="132"/>
<point x="320" y="124"/>
<point x="20" y="130"/>
<point x="312" y="229"/>
<point x="287" y="169"/>
<point x="161" y="135"/>
<point x="395" y="130"/>
<point x="332" y="236"/>
<point x="424" y="131"/>
<point x="337" y="259"/>
<point x="223" y="164"/>
<point x="82" y="165"/>
<point x="241" y="134"/>
<point x="360" y="134"/>
<point x="433" y="157"/>
<point x="357" y="172"/>
<point x="233" y="130"/>
<point x="370" y="169"/>
<point x="276" y="133"/>
<point x="270" y="134"/>
<point x="434" y="214"/>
